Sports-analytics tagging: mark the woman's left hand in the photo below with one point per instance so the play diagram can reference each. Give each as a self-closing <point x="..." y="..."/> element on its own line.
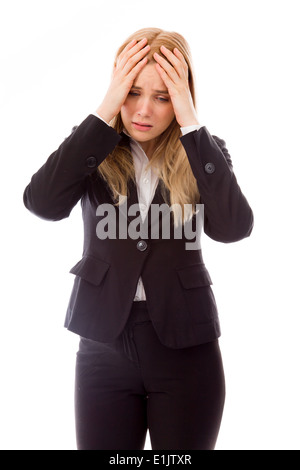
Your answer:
<point x="175" y="77"/>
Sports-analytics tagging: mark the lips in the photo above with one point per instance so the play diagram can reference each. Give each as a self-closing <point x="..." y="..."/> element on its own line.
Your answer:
<point x="141" y="126"/>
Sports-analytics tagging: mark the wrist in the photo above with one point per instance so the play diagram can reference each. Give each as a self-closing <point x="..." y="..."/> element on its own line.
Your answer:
<point x="190" y="123"/>
<point x="104" y="114"/>
<point x="188" y="118"/>
<point x="188" y="129"/>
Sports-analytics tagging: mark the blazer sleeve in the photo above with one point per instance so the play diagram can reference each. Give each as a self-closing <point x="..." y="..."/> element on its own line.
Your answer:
<point x="227" y="214"/>
<point x="59" y="184"/>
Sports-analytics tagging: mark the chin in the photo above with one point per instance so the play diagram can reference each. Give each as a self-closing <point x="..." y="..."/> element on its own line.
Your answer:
<point x="141" y="136"/>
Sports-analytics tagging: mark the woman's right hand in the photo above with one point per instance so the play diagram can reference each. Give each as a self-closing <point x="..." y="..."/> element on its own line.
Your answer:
<point x="129" y="64"/>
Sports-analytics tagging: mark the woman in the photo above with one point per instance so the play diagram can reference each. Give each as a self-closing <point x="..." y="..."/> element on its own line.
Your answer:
<point x="143" y="167"/>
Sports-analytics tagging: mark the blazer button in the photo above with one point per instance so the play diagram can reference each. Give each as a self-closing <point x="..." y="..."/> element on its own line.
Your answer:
<point x="91" y="162"/>
<point x="141" y="245"/>
<point x="209" y="168"/>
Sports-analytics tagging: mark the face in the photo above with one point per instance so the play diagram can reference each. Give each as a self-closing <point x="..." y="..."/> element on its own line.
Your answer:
<point x="147" y="111"/>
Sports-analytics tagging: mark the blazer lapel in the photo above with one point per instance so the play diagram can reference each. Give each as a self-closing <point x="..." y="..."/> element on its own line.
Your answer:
<point x="161" y="196"/>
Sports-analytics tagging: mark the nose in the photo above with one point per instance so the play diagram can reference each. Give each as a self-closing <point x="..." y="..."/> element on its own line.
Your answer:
<point x="144" y="107"/>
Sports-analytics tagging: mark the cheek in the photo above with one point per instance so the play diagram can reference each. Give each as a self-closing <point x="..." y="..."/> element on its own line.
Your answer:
<point x="126" y="110"/>
<point x="167" y="116"/>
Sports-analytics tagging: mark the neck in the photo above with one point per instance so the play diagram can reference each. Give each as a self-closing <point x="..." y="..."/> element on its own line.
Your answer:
<point x="148" y="148"/>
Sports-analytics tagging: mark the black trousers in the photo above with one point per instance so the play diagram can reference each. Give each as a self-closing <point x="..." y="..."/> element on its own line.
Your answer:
<point x="136" y="383"/>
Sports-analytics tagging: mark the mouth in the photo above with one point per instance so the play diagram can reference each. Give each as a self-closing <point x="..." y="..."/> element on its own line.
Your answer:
<point x="140" y="126"/>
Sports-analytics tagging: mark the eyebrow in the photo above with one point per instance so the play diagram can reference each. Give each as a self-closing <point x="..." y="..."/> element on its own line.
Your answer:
<point x="164" y="92"/>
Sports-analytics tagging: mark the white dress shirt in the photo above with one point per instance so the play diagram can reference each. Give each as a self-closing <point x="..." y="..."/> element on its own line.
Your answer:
<point x="146" y="182"/>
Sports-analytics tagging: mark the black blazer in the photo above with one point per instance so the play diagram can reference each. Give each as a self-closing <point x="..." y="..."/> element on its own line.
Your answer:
<point x="180" y="299"/>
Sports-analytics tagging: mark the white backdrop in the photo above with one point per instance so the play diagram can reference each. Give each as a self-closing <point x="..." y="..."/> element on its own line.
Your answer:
<point x="56" y="59"/>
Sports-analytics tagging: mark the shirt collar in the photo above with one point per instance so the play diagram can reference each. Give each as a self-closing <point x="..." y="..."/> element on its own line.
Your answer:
<point x="136" y="148"/>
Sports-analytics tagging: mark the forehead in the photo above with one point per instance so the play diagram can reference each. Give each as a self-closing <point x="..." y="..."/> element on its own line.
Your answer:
<point x="148" y="78"/>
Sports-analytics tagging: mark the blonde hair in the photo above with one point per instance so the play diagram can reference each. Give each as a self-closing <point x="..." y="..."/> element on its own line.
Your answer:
<point x="169" y="157"/>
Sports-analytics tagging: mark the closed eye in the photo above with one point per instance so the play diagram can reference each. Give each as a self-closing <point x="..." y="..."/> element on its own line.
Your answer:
<point x="161" y="98"/>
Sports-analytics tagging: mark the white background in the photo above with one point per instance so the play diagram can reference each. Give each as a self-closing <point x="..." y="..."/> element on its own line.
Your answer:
<point x="56" y="59"/>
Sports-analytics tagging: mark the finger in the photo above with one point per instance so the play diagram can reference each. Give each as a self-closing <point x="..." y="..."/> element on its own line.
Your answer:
<point x="130" y="50"/>
<point x="164" y="76"/>
<point x="129" y="46"/>
<point x="167" y="67"/>
<point x="134" y="60"/>
<point x="183" y="61"/>
<point x="137" y="68"/>
<point x="177" y="60"/>
<point x="130" y="60"/>
<point x="137" y="47"/>
<point x="179" y="55"/>
<point x="126" y="49"/>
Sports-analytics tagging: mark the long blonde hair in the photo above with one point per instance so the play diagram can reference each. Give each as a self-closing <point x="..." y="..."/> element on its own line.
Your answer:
<point x="169" y="157"/>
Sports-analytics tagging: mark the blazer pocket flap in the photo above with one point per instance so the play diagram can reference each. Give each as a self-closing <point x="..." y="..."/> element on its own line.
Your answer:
<point x="91" y="269"/>
<point x="194" y="276"/>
